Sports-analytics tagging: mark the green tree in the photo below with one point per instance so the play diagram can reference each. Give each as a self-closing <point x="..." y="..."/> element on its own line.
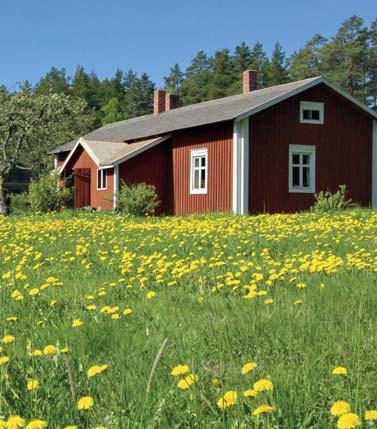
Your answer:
<point x="173" y="81"/>
<point x="112" y="111"/>
<point x="307" y="62"/>
<point x="278" y="68"/>
<point x="55" y="81"/>
<point x="195" y="87"/>
<point x="222" y="74"/>
<point x="260" y="63"/>
<point x="371" y="84"/>
<point x="138" y="94"/>
<point x="345" y="58"/>
<point x="30" y="125"/>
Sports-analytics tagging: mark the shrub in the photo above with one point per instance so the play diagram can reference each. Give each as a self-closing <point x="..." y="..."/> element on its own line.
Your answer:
<point x="19" y="202"/>
<point x="45" y="195"/>
<point x="138" y="200"/>
<point x="328" y="202"/>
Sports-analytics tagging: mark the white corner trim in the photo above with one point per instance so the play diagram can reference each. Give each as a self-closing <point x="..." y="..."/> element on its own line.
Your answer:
<point x="240" y="179"/>
<point x="305" y="150"/>
<point x="374" y="165"/>
<point x="193" y="154"/>
<point x="311" y="105"/>
<point x="116" y="186"/>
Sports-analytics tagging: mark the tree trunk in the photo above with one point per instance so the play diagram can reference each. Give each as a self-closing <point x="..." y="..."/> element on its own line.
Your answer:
<point x="4" y="199"/>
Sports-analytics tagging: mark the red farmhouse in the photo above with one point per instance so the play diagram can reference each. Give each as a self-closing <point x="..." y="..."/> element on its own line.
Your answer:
<point x="266" y="150"/>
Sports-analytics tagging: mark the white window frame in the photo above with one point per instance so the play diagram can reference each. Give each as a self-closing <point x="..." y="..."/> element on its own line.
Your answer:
<point x="198" y="153"/>
<point x="311" y="105"/>
<point x="101" y="176"/>
<point x="302" y="150"/>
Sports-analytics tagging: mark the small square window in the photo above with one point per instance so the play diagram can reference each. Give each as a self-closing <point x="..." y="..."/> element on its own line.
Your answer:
<point x="311" y="112"/>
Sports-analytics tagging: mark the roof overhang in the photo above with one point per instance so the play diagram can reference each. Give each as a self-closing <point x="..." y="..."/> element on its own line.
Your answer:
<point x="303" y="88"/>
<point x="119" y="158"/>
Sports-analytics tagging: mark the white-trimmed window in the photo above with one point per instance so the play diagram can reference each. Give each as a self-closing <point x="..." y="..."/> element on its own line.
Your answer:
<point x="301" y="168"/>
<point x="101" y="179"/>
<point x="199" y="171"/>
<point x="311" y="112"/>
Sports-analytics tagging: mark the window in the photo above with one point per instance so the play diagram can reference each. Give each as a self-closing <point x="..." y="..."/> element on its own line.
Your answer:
<point x="311" y="113"/>
<point x="101" y="179"/>
<point x="199" y="171"/>
<point x="301" y="168"/>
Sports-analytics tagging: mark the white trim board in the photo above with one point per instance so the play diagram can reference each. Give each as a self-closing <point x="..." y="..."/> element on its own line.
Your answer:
<point x="374" y="165"/>
<point x="240" y="178"/>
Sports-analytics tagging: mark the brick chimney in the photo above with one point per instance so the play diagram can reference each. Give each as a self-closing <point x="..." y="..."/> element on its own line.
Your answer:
<point x="171" y="102"/>
<point x="249" y="81"/>
<point x="159" y="101"/>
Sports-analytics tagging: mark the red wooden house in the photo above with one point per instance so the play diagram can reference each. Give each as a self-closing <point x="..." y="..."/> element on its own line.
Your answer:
<point x="267" y="150"/>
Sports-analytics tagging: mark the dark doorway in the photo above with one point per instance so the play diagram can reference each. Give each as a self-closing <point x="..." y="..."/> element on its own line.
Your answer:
<point x="81" y="184"/>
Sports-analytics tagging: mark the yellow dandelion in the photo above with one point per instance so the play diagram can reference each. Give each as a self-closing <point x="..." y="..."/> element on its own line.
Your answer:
<point x="34" y="291"/>
<point x="49" y="350"/>
<point x="96" y="369"/>
<point x="36" y="353"/>
<point x="15" y="422"/>
<point x="269" y="301"/>
<point x="298" y="302"/>
<point x="180" y="370"/>
<point x="36" y="424"/>
<point x="263" y="409"/>
<point x="85" y="403"/>
<point x="151" y="294"/>
<point x="4" y="360"/>
<point x="370" y="415"/>
<point x="8" y="339"/>
<point x="348" y="421"/>
<point x="186" y="382"/>
<point x="263" y="385"/>
<point x="248" y="367"/>
<point x="32" y="384"/>
<point x="76" y="323"/>
<point x="340" y="407"/>
<point x="229" y="399"/>
<point x="339" y="370"/>
<point x="250" y="393"/>
<point x="127" y="311"/>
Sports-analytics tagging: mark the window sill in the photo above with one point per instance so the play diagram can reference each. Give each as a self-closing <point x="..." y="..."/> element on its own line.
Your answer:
<point x="198" y="192"/>
<point x="301" y="191"/>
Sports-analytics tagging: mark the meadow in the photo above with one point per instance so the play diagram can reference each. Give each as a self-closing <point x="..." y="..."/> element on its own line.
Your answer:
<point x="213" y="321"/>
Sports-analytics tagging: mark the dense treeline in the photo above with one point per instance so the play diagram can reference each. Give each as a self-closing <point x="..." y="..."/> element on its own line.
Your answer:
<point x="349" y="59"/>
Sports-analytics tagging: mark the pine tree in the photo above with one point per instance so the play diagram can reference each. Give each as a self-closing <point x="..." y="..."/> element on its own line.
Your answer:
<point x="260" y="63"/>
<point x="241" y="58"/>
<point x="195" y="87"/>
<point x="55" y="81"/>
<point x="277" y="72"/>
<point x="371" y="86"/>
<point x="173" y="82"/>
<point x="222" y="76"/>
<point x="307" y="61"/>
<point x="112" y="112"/>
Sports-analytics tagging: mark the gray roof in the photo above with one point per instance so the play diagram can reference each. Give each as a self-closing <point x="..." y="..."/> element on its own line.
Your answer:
<point x="208" y="112"/>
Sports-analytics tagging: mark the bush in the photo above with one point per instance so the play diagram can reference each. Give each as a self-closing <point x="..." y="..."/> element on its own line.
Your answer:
<point x="138" y="200"/>
<point x="45" y="195"/>
<point x="328" y="202"/>
<point x="19" y="202"/>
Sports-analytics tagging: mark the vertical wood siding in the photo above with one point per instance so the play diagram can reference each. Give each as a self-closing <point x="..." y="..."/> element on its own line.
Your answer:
<point x="98" y="198"/>
<point x="343" y="152"/>
<point x="218" y="140"/>
<point x="152" y="167"/>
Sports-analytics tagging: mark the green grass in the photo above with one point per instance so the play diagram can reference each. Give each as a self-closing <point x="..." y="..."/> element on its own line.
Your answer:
<point x="183" y="259"/>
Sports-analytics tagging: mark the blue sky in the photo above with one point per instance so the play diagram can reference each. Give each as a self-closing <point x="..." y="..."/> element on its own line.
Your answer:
<point x="103" y="35"/>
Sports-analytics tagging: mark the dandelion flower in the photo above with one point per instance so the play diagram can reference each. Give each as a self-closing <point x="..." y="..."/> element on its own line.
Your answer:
<point x="4" y="360"/>
<point x="96" y="369"/>
<point x="370" y="415"/>
<point x="127" y="311"/>
<point x="250" y="393"/>
<point x="230" y="398"/>
<point x="248" y="367"/>
<point x="36" y="424"/>
<point x="348" y="421"/>
<point x="180" y="370"/>
<point x="49" y="350"/>
<point x="263" y="409"/>
<point x="76" y="323"/>
<point x="298" y="302"/>
<point x="339" y="370"/>
<point x="269" y="301"/>
<point x="8" y="339"/>
<point x="37" y="353"/>
<point x="71" y="427"/>
<point x="32" y="384"/>
<point x="15" y="422"/>
<point x="263" y="385"/>
<point x="186" y="382"/>
<point x="85" y="403"/>
<point x="340" y="407"/>
<point x="151" y="294"/>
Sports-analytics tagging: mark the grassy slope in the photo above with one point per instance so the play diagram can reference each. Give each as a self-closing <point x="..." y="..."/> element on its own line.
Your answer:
<point x="296" y="346"/>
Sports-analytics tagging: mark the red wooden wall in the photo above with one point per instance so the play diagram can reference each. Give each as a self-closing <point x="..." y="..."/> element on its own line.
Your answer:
<point x="218" y="139"/>
<point x="343" y="151"/>
<point x="154" y="168"/>
<point x="98" y="198"/>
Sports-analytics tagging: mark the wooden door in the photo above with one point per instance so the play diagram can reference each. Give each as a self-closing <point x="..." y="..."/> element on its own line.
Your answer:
<point x="81" y="183"/>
